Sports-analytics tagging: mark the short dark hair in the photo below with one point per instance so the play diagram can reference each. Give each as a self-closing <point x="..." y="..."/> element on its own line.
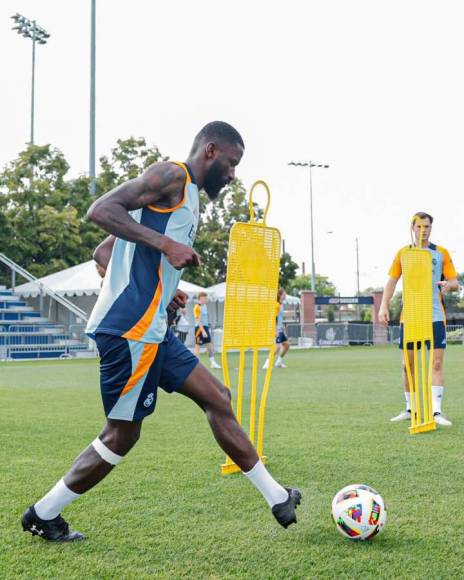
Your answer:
<point x="422" y="215"/>
<point x="218" y="131"/>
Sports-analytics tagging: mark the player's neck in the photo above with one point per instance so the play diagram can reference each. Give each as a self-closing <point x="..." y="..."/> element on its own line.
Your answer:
<point x="424" y="244"/>
<point x="198" y="171"/>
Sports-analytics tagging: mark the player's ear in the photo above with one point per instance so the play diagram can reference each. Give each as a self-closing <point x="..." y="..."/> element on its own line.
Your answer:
<point x="210" y="150"/>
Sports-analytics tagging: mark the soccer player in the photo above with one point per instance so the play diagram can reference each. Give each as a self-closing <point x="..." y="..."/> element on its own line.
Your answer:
<point x="152" y="220"/>
<point x="282" y="344"/>
<point x="202" y="333"/>
<point x="444" y="280"/>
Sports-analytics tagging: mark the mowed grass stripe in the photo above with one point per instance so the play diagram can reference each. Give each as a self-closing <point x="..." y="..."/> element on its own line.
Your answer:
<point x="165" y="511"/>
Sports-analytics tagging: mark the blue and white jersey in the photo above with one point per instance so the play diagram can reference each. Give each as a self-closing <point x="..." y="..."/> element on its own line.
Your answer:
<point x="140" y="283"/>
<point x="200" y="313"/>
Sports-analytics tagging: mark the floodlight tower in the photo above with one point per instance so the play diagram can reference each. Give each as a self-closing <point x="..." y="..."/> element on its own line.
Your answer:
<point x="30" y="29"/>
<point x="311" y="164"/>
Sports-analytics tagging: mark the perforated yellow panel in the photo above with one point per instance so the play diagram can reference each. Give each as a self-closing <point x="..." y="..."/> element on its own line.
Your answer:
<point x="416" y="265"/>
<point x="251" y="286"/>
<point x="250" y="315"/>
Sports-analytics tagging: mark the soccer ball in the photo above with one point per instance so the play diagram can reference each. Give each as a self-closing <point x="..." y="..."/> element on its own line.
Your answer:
<point x="359" y="512"/>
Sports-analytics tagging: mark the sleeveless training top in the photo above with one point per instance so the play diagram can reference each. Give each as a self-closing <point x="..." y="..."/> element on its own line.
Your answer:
<point x="139" y="282"/>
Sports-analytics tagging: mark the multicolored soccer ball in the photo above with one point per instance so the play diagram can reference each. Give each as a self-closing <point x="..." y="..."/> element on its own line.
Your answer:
<point x="359" y="512"/>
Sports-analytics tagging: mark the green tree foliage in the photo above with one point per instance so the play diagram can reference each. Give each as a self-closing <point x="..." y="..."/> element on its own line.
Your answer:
<point x="324" y="287"/>
<point x="42" y="214"/>
<point x="396" y="305"/>
<point x="288" y="269"/>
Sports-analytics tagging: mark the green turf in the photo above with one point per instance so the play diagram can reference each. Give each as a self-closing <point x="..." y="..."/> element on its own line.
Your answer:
<point x="165" y="512"/>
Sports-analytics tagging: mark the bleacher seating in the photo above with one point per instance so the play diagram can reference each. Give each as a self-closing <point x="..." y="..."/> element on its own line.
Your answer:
<point x="25" y="334"/>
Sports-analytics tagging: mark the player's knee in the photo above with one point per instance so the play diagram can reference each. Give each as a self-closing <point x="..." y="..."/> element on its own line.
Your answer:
<point x="437" y="366"/>
<point x="120" y="440"/>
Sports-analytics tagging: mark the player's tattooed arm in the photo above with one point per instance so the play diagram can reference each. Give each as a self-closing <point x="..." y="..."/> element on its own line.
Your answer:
<point x="162" y="185"/>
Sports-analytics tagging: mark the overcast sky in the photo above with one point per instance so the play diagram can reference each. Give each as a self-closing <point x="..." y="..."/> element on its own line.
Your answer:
<point x="375" y="89"/>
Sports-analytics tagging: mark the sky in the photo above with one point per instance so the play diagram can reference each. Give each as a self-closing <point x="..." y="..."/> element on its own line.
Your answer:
<point x="372" y="88"/>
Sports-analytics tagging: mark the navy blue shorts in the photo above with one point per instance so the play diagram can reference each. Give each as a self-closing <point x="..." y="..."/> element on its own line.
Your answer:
<point x="439" y="337"/>
<point x="281" y="337"/>
<point x="199" y="338"/>
<point x="131" y="372"/>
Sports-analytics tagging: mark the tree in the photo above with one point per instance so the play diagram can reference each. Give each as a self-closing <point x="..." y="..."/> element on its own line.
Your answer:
<point x="127" y="160"/>
<point x="324" y="287"/>
<point x="288" y="269"/>
<point x="396" y="306"/>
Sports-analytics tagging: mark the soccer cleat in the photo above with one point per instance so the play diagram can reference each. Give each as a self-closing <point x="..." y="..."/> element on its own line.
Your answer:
<point x="440" y="420"/>
<point x="280" y="364"/>
<point x="56" y="530"/>
<point x="266" y="365"/>
<point x="284" y="512"/>
<point x="214" y="365"/>
<point x="403" y="416"/>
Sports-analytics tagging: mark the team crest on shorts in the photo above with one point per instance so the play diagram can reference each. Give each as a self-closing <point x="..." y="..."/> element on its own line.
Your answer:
<point x="149" y="400"/>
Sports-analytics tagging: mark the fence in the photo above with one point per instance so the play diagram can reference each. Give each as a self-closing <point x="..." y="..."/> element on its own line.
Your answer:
<point x="344" y="334"/>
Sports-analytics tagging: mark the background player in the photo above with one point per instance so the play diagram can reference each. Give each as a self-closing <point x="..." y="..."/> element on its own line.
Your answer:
<point x="282" y="344"/>
<point x="444" y="280"/>
<point x="202" y="332"/>
<point x="152" y="221"/>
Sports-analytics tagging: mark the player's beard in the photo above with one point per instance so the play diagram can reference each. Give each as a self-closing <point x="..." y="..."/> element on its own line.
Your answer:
<point x="215" y="180"/>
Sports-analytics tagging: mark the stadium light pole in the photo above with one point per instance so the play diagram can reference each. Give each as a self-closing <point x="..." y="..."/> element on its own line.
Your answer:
<point x="311" y="164"/>
<point x="30" y="29"/>
<point x="93" y="185"/>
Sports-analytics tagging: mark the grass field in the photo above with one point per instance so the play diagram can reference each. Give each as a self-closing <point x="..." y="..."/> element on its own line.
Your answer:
<point x="165" y="512"/>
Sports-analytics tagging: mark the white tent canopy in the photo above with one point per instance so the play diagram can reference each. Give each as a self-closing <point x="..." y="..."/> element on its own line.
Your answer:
<point x="83" y="280"/>
<point x="218" y="292"/>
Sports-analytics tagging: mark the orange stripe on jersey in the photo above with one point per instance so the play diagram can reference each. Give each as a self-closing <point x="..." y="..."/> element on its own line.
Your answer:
<point x="146" y="359"/>
<point x="140" y="328"/>
<point x="182" y="201"/>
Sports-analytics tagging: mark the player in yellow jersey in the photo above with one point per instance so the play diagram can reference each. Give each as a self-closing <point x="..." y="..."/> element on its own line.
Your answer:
<point x="202" y="332"/>
<point x="282" y="343"/>
<point x="444" y="280"/>
<point x="153" y="220"/>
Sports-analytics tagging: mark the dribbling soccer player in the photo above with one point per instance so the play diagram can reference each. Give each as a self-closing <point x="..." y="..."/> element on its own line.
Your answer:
<point x="152" y="221"/>
<point x="444" y="280"/>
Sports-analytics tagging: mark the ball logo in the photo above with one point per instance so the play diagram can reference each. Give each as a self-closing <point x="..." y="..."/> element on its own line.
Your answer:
<point x="149" y="400"/>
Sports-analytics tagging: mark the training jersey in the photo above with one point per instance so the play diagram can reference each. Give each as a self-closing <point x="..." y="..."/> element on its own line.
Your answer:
<point x="200" y="312"/>
<point x="280" y="317"/>
<point x="140" y="282"/>
<point x="442" y="268"/>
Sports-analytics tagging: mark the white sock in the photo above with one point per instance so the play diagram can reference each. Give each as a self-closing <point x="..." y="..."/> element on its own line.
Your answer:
<point x="272" y="491"/>
<point x="56" y="499"/>
<point x="211" y="358"/>
<point x="437" y="397"/>
<point x="407" y="396"/>
<point x="279" y="360"/>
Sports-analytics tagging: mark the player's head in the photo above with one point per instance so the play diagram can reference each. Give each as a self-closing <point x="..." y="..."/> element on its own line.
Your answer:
<point x="219" y="147"/>
<point x="281" y="295"/>
<point x="202" y="297"/>
<point x="422" y="225"/>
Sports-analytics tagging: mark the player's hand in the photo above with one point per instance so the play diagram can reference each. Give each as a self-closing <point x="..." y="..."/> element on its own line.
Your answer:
<point x="180" y="255"/>
<point x="445" y="286"/>
<point x="179" y="301"/>
<point x="384" y="315"/>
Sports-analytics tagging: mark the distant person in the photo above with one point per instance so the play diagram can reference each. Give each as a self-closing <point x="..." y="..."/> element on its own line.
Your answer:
<point x="444" y="280"/>
<point x="153" y="220"/>
<point x="202" y="332"/>
<point x="182" y="325"/>
<point x="282" y="343"/>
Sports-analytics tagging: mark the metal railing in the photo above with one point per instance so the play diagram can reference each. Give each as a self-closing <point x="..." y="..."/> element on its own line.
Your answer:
<point x="43" y="288"/>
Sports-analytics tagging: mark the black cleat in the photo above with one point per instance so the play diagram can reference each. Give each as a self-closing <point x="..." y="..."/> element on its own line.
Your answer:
<point x="284" y="512"/>
<point x="56" y="530"/>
